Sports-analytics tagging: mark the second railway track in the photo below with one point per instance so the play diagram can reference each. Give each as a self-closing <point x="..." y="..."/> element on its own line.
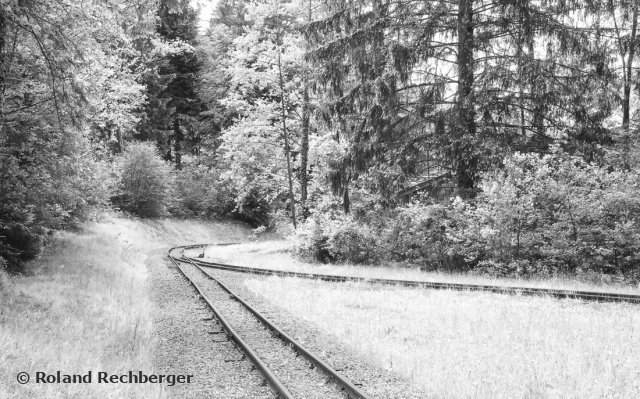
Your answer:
<point x="290" y="369"/>
<point x="554" y="293"/>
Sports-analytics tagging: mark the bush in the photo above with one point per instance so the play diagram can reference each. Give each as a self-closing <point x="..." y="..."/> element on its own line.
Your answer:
<point x="254" y="208"/>
<point x="200" y="192"/>
<point x="555" y="214"/>
<point x="558" y="213"/>
<point x="419" y="234"/>
<point x="311" y="242"/>
<point x="337" y="238"/>
<point x="415" y="234"/>
<point x="146" y="181"/>
<point x="50" y="180"/>
<point x="350" y="241"/>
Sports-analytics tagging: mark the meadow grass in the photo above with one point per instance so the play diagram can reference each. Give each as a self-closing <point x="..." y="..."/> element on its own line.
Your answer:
<point x="475" y="345"/>
<point x="278" y="254"/>
<point x="84" y="305"/>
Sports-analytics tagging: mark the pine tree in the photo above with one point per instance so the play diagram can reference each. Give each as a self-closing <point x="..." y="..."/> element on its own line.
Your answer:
<point x="471" y="80"/>
<point x="173" y="109"/>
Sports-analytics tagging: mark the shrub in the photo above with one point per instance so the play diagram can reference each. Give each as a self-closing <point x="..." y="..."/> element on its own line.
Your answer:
<point x="50" y="180"/>
<point x="146" y="181"/>
<point x="200" y="192"/>
<point x="418" y="234"/>
<point x="311" y="242"/>
<point x="350" y="241"/>
<point x="254" y="208"/>
<point x="338" y="238"/>
<point x="557" y="212"/>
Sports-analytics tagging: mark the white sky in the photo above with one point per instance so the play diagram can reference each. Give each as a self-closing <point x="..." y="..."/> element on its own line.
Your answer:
<point x="206" y="8"/>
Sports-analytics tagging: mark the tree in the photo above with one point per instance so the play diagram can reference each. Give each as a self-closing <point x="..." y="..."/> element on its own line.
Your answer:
<point x="470" y="79"/>
<point x="305" y="123"/>
<point x="62" y="78"/>
<point x="215" y="52"/>
<point x="146" y="182"/>
<point x="266" y="92"/>
<point x="231" y="14"/>
<point x="622" y="15"/>
<point x="172" y="114"/>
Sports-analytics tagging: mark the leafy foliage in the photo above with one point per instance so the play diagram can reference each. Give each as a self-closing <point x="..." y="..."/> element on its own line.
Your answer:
<point x="510" y="105"/>
<point x="146" y="182"/>
<point x="200" y="193"/>
<point x="556" y="213"/>
<point x="66" y="81"/>
<point x="552" y="214"/>
<point x="50" y="180"/>
<point x="252" y="148"/>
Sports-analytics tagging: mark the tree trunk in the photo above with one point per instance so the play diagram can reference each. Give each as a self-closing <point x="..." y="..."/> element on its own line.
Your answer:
<point x="346" y="202"/>
<point x="3" y="45"/>
<point x="287" y="149"/>
<point x="521" y="83"/>
<point x="120" y="141"/>
<point x="177" y="149"/>
<point x="627" y="84"/>
<point x="304" y="139"/>
<point x="625" y="105"/>
<point x="168" y="155"/>
<point x="177" y="143"/>
<point x="537" y="91"/>
<point x="465" y="159"/>
<point x="304" y="149"/>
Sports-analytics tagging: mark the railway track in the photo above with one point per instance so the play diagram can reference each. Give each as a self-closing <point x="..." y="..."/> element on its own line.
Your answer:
<point x="512" y="290"/>
<point x="289" y="368"/>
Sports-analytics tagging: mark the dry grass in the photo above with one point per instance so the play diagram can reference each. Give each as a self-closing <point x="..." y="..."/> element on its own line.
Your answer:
<point x="278" y="255"/>
<point x="476" y="345"/>
<point x="86" y="307"/>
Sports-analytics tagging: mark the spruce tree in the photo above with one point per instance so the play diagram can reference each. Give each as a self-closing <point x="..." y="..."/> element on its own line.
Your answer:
<point x="459" y="83"/>
<point x="174" y="107"/>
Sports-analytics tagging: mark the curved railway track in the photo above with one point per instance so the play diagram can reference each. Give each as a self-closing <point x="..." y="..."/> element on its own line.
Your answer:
<point x="512" y="290"/>
<point x="343" y="387"/>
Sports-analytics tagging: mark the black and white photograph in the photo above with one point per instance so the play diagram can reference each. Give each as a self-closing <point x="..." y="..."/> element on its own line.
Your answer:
<point x="319" y="199"/>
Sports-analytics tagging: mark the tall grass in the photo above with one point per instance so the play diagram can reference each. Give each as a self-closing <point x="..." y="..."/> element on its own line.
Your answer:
<point x="85" y="306"/>
<point x="476" y="345"/>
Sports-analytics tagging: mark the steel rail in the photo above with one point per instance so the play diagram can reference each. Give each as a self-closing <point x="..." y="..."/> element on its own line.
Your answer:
<point x="352" y="390"/>
<point x="512" y="290"/>
<point x="281" y="391"/>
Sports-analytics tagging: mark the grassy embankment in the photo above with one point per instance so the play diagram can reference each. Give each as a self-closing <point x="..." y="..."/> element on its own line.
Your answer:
<point x="85" y="306"/>
<point x="475" y="345"/>
<point x="464" y="344"/>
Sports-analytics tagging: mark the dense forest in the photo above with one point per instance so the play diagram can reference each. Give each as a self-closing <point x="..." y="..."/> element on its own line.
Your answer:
<point x="490" y="136"/>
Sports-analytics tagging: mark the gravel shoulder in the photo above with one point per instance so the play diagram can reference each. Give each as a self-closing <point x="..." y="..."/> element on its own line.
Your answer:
<point x="184" y="345"/>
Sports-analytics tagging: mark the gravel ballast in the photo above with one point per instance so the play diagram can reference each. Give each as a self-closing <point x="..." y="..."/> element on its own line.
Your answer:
<point x="295" y="372"/>
<point x="185" y="345"/>
<point x="376" y="382"/>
